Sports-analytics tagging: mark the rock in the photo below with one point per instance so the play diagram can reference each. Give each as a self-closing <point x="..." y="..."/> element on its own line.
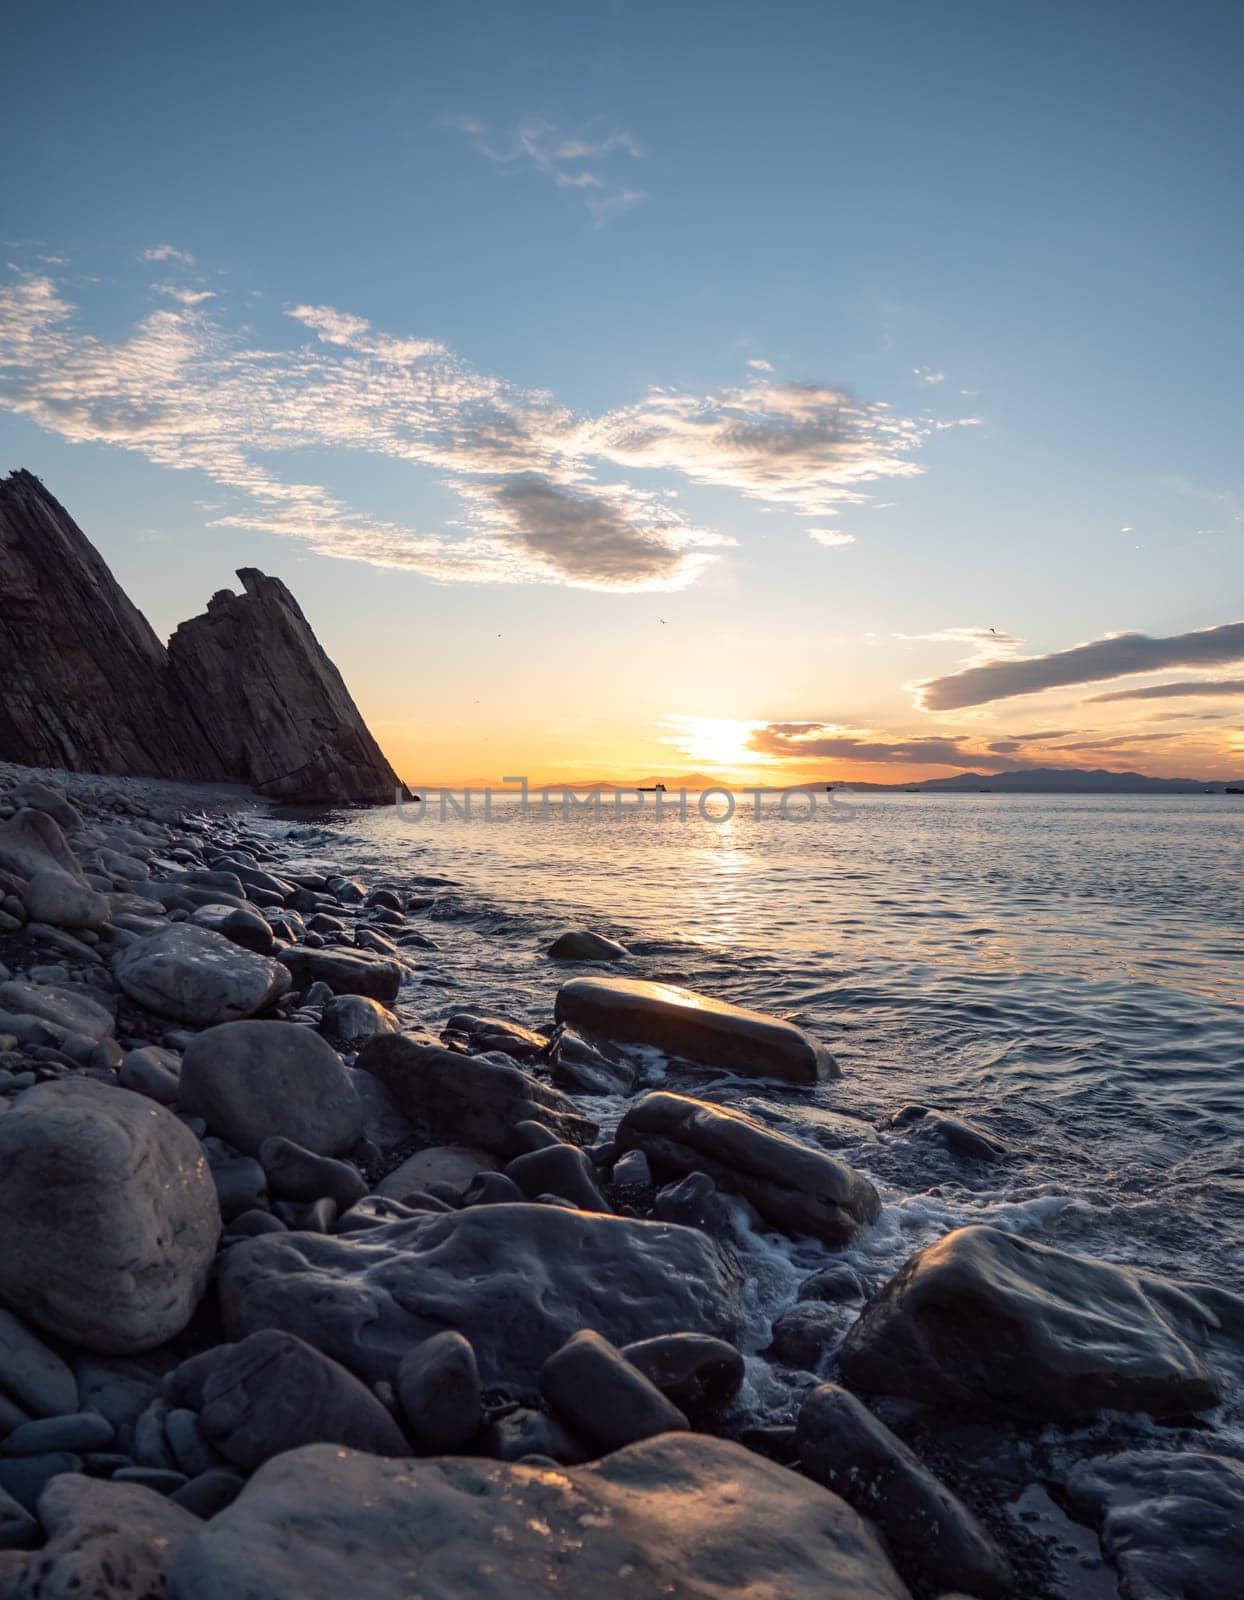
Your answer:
<point x="194" y="975"/>
<point x="384" y="1126"/>
<point x="932" y="1537"/>
<point x="579" y="1068"/>
<point x="466" y="1100"/>
<point x="53" y="896"/>
<point x="452" y="1164"/>
<point x="805" y="1334"/>
<point x="832" y="1285"/>
<point x="1081" y="1336"/>
<point x="352" y="1019"/>
<point x="481" y="1034"/>
<point x="249" y="930"/>
<point x="525" y="1434"/>
<point x="694" y="1202"/>
<point x="210" y="1492"/>
<point x="252" y="1080"/>
<point x="31" y="842"/>
<point x="153" y="1072"/>
<point x="439" y="1387"/>
<point x="273" y="1392"/>
<point x="559" y="1169"/>
<point x="1172" y="1522"/>
<point x="104" y="1540"/>
<point x="955" y="1134"/>
<point x="591" y="1386"/>
<point x="108" y="1217"/>
<point x="31" y="1374"/>
<point x="633" y="1171"/>
<point x="42" y="797"/>
<point x="297" y="1174"/>
<point x="693" y="1027"/>
<point x="163" y="1480"/>
<point x="18" y="1529"/>
<point x="69" y="1010"/>
<point x="701" y="1375"/>
<point x="345" y="972"/>
<point x="186" y="1439"/>
<point x="515" y="1280"/>
<point x="582" y="945"/>
<point x="78" y="1431"/>
<point x="241" y="1186"/>
<point x="26" y="1477"/>
<point x="682" y="1516"/>
<point x="793" y="1187"/>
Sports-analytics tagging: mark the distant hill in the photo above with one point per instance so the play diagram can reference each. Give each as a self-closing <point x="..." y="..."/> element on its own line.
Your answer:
<point x="1056" y="780"/>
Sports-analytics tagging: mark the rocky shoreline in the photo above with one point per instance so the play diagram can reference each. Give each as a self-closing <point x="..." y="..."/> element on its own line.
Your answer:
<point x="300" y="1292"/>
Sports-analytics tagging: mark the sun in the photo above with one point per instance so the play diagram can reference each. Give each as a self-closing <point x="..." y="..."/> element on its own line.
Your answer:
<point x="714" y="741"/>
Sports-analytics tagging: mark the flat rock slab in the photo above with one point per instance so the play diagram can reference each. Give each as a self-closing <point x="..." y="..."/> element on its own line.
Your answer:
<point x="986" y="1320"/>
<point x="108" y="1215"/>
<point x="794" y="1188"/>
<point x="694" y="1027"/>
<point x="194" y="975"/>
<point x="681" y="1516"/>
<point x="516" y="1280"/>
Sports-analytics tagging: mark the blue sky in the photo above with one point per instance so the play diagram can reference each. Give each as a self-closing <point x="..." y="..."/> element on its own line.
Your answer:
<point x="503" y="332"/>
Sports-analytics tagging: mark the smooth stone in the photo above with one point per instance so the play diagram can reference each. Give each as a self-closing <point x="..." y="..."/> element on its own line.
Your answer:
<point x="560" y="1169"/>
<point x="39" y="796"/>
<point x="150" y="1446"/>
<point x="183" y="1388"/>
<point x="345" y="972"/>
<point x="682" y="1516"/>
<point x="249" y="930"/>
<point x="78" y="1431"/>
<point x="54" y="897"/>
<point x="273" y="1392"/>
<point x="633" y="1171"/>
<point x="955" y="1134"/>
<point x="194" y="975"/>
<point x="805" y="1334"/>
<point x="592" y="1386"/>
<point x="186" y="1439"/>
<point x="492" y="1189"/>
<point x="931" y="1535"/>
<point x="515" y="1280"/>
<point x="701" y="1375"/>
<point x="31" y="1374"/>
<point x="254" y="1080"/>
<point x="694" y="1202"/>
<point x="453" y="1164"/>
<point x="481" y="1034"/>
<point x="295" y="1173"/>
<point x="241" y="1186"/>
<point x="32" y="842"/>
<point x="210" y="1492"/>
<point x="438" y="1385"/>
<point x="249" y="1224"/>
<point x="1171" y="1522"/>
<point x="524" y="1434"/>
<point x="69" y="1010"/>
<point x="120" y="1388"/>
<point x="353" y="1019"/>
<point x="1082" y="1336"/>
<point x="18" y="1529"/>
<point x="161" y="1480"/>
<point x="153" y="1072"/>
<point x="465" y="1100"/>
<point x="693" y="1027"/>
<point x="793" y="1187"/>
<point x="26" y="1477"/>
<point x="108" y="1215"/>
<point x="11" y="1416"/>
<point x="832" y="1285"/>
<point x="384" y="1126"/>
<point x="583" y="945"/>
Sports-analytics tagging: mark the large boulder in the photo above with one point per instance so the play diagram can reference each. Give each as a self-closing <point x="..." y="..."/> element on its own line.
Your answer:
<point x="32" y="842"/>
<point x="987" y="1320"/>
<point x="1172" y="1522"/>
<point x="794" y="1188"/>
<point x="682" y="1516"/>
<point x="933" y="1537"/>
<point x="194" y="975"/>
<point x="252" y="1080"/>
<point x="345" y="972"/>
<point x="108" y="1216"/>
<point x="515" y="1280"/>
<point x="467" y="1100"/>
<point x="68" y="1010"/>
<point x="693" y="1027"/>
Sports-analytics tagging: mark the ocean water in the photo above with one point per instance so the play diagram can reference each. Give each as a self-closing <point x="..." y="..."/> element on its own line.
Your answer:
<point x="1063" y="970"/>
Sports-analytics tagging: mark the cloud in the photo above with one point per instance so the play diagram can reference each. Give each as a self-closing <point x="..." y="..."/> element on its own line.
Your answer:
<point x="758" y="365"/>
<point x="184" y="297"/>
<point x="927" y="375"/>
<point x="189" y="390"/>
<point x="987" y="640"/>
<point x="831" y="538"/>
<point x="167" y="252"/>
<point x="820" y="741"/>
<point x="1208" y="687"/>
<point x="586" y="161"/>
<point x="1116" y="656"/>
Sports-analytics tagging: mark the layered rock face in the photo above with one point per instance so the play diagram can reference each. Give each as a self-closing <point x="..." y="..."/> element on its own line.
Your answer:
<point x="244" y="694"/>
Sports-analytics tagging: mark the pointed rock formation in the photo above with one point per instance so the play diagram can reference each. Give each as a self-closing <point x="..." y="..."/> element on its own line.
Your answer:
<point x="244" y="694"/>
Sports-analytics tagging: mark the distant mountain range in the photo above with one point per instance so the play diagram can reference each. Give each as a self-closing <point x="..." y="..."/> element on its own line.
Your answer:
<point x="1032" y="780"/>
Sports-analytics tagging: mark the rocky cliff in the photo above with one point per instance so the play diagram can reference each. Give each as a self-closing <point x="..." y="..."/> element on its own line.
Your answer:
<point x="244" y="695"/>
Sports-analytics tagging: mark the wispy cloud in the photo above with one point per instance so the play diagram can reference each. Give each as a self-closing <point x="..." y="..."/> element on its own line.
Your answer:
<point x="928" y="376"/>
<point x="1206" y="688"/>
<point x="831" y="538"/>
<point x="1118" y="655"/>
<point x="187" y="389"/>
<point x="827" y="741"/>
<point x="167" y="252"/>
<point x="184" y="297"/>
<point x="587" y="161"/>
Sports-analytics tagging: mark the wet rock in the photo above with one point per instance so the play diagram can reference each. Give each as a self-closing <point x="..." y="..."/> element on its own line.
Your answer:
<point x="832" y="1285"/>
<point x="699" y="1374"/>
<point x="466" y="1100"/>
<point x="694" y="1202"/>
<point x="452" y="1164"/>
<point x="297" y="1174"/>
<point x="352" y="1019"/>
<point x="683" y="1516"/>
<point x="591" y="1386"/>
<point x="580" y="1068"/>
<point x="194" y="975"/>
<point x="515" y="1280"/>
<point x="68" y="1010"/>
<point x="805" y="1334"/>
<point x="1171" y="1522"/>
<point x="932" y="1537"/>
<point x="254" y="1080"/>
<point x="32" y="1375"/>
<point x="583" y="945"/>
<point x="272" y="1392"/>
<point x="439" y="1387"/>
<point x="955" y="1134"/>
<point x="495" y="1033"/>
<point x="1082" y="1336"/>
<point x="108" y="1217"/>
<point x="693" y="1027"/>
<point x="345" y="972"/>
<point x="558" y="1169"/>
<point x="794" y="1188"/>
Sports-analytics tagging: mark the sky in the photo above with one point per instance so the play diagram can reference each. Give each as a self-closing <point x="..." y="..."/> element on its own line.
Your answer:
<point x="626" y="389"/>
